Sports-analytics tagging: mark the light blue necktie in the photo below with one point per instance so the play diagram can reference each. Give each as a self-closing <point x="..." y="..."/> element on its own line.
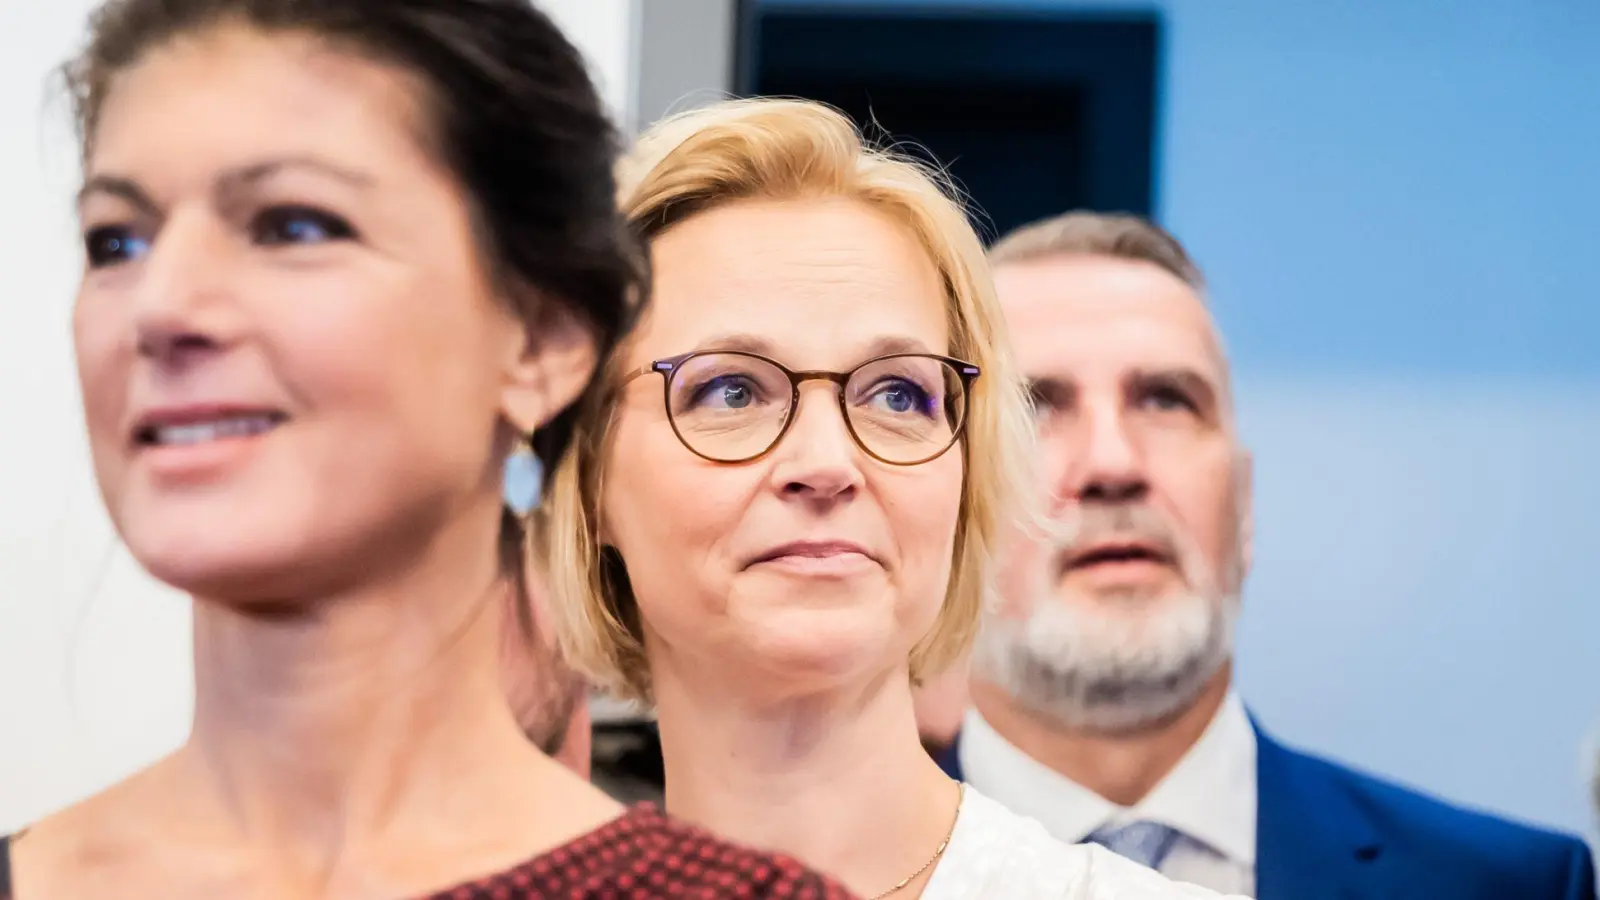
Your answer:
<point x="1146" y="843"/>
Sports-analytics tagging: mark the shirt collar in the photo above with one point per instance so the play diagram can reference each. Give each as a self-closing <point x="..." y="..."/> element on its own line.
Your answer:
<point x="1000" y="770"/>
<point x="1210" y="795"/>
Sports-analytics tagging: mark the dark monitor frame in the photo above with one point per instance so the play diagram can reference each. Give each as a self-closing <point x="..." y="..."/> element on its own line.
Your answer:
<point x="1113" y="58"/>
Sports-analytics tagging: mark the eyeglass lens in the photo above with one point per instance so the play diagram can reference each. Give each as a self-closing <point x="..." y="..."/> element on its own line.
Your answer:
<point x="732" y="407"/>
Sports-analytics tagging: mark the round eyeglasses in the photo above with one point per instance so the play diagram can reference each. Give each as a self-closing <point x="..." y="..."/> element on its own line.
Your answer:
<point x="729" y="406"/>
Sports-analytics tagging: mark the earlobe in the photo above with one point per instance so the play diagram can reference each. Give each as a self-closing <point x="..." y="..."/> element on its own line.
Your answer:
<point x="550" y="365"/>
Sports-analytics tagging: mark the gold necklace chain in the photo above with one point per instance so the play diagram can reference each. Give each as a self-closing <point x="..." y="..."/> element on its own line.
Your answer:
<point x="961" y="794"/>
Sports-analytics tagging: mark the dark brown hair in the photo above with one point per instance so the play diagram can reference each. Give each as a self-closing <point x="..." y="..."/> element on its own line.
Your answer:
<point x="511" y="111"/>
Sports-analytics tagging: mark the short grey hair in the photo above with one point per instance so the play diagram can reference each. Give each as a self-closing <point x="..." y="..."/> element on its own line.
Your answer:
<point x="1117" y="235"/>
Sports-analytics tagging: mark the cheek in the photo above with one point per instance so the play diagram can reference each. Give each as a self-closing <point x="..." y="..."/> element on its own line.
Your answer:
<point x="1205" y="506"/>
<point x="669" y="513"/>
<point x="103" y="358"/>
<point x="402" y="372"/>
<point x="1221" y="502"/>
<point x="103" y="351"/>
<point x="923" y="504"/>
<point x="1024" y="570"/>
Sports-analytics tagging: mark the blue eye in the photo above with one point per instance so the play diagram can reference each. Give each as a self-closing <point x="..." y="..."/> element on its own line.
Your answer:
<point x="299" y="225"/>
<point x="901" y="397"/>
<point x="728" y="391"/>
<point x="111" y="245"/>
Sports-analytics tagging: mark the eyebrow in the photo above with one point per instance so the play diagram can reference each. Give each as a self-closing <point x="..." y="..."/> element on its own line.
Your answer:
<point x="1203" y="389"/>
<point x="231" y="181"/>
<point x="1191" y="381"/>
<point x="745" y="343"/>
<point x="1052" y="388"/>
<point x="247" y="176"/>
<point x="886" y="345"/>
<point x="125" y="189"/>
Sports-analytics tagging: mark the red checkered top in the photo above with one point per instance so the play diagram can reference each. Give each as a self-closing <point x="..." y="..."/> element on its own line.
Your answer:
<point x="644" y="855"/>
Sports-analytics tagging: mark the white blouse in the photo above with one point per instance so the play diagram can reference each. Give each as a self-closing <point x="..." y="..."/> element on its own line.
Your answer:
<point x="994" y="852"/>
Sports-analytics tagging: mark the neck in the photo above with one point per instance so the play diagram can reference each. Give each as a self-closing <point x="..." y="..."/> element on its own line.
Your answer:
<point x="1122" y="768"/>
<point x="837" y="779"/>
<point x="316" y="730"/>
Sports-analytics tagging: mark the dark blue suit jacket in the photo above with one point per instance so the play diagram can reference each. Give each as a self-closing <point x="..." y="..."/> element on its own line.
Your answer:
<point x="1326" y="832"/>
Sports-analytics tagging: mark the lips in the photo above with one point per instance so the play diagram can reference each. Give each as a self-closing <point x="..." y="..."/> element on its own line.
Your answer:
<point x="1116" y="552"/>
<point x="192" y="426"/>
<point x="820" y="550"/>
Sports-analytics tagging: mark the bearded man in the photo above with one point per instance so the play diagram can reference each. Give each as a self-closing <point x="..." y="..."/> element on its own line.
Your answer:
<point x="1101" y="683"/>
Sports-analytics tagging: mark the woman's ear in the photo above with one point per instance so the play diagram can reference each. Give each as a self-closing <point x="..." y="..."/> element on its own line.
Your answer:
<point x="549" y="362"/>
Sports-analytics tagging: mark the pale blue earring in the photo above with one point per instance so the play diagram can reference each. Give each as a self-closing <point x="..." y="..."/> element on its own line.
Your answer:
<point x="523" y="482"/>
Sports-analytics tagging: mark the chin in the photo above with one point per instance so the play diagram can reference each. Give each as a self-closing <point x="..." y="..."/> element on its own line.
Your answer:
<point x="232" y="576"/>
<point x="1135" y="596"/>
<point x="821" y="647"/>
<point x="1131" y="613"/>
<point x="1092" y="664"/>
<point x="238" y="561"/>
<point x="1139" y="621"/>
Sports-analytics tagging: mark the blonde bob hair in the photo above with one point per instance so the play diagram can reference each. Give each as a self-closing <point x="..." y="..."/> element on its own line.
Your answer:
<point x="777" y="150"/>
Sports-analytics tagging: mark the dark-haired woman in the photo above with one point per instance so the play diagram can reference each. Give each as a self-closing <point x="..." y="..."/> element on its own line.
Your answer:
<point x="343" y="260"/>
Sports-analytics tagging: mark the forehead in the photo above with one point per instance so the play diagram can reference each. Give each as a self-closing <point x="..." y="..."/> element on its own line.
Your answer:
<point x="232" y="93"/>
<point x="1081" y="317"/>
<point x="820" y="281"/>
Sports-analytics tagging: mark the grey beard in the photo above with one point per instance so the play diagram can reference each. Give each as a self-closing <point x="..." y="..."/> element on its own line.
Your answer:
<point x="1104" y="673"/>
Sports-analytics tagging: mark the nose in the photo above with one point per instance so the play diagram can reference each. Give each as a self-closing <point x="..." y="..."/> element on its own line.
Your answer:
<point x="179" y="304"/>
<point x="817" y="461"/>
<point x="1100" y="460"/>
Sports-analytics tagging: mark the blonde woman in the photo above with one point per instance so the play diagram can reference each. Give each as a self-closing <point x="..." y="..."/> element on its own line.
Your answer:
<point x="786" y="498"/>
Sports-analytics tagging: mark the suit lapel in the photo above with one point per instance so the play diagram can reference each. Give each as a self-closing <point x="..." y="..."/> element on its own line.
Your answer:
<point x="949" y="759"/>
<point x="1312" y="842"/>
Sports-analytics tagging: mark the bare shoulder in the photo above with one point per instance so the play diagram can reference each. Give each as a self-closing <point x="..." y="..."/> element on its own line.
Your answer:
<point x="583" y="805"/>
<point x="89" y="848"/>
<point x="532" y="807"/>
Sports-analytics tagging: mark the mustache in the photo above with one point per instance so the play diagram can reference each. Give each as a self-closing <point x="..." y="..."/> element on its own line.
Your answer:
<point x="1084" y="526"/>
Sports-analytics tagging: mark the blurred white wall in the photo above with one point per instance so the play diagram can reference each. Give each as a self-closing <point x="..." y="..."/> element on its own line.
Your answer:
<point x="94" y="657"/>
<point x="609" y="33"/>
